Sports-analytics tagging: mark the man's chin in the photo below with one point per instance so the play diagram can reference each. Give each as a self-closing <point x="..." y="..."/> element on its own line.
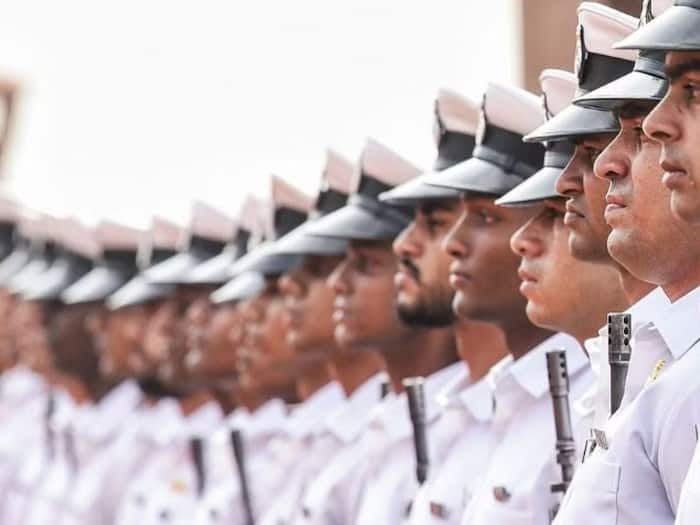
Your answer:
<point x="686" y="207"/>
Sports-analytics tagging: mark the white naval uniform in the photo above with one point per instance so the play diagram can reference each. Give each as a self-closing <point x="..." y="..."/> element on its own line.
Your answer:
<point x="172" y="491"/>
<point x="223" y="503"/>
<point x="23" y="403"/>
<point x="391" y="484"/>
<point x="301" y="453"/>
<point x="515" y="489"/>
<point x="595" y="403"/>
<point x="635" y="475"/>
<point x="448" y="489"/>
<point x="322" y="503"/>
<point x="45" y="471"/>
<point x="156" y="440"/>
<point x="87" y="432"/>
<point x="102" y="482"/>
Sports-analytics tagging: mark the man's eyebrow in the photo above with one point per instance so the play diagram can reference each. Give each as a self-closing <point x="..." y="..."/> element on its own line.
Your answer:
<point x="673" y="73"/>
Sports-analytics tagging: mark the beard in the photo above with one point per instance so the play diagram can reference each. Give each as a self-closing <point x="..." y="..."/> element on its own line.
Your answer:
<point x="432" y="309"/>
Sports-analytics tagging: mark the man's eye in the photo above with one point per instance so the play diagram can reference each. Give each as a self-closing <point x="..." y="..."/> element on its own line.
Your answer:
<point x="690" y="89"/>
<point x="487" y="218"/>
<point x="593" y="153"/>
<point x="435" y="224"/>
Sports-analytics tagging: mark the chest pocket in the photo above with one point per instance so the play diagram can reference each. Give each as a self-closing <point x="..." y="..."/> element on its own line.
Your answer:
<point x="593" y="492"/>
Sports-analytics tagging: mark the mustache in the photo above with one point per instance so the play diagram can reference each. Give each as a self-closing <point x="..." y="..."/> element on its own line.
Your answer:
<point x="409" y="265"/>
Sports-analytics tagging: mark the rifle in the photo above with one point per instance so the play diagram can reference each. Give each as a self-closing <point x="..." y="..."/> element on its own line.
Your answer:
<point x="565" y="445"/>
<point x="197" y="451"/>
<point x="415" y="392"/>
<point x="619" y="352"/>
<point x="384" y="389"/>
<point x="239" y="455"/>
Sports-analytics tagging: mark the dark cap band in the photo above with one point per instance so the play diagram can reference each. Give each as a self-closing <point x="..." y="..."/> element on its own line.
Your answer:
<point x="329" y="200"/>
<point x="597" y="70"/>
<point x="286" y="219"/>
<point x="507" y="150"/>
<point x="453" y="148"/>
<point x="398" y="215"/>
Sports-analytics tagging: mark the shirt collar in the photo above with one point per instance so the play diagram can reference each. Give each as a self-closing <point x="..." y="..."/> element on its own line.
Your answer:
<point x="394" y="416"/>
<point x="101" y="420"/>
<point x="205" y="419"/>
<point x="530" y="371"/>
<point x="461" y="394"/>
<point x="268" y="418"/>
<point x="678" y="323"/>
<point x="649" y="306"/>
<point x="348" y="422"/>
<point x="308" y="416"/>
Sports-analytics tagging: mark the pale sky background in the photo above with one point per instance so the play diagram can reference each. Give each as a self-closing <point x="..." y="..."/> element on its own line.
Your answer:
<point x="136" y="107"/>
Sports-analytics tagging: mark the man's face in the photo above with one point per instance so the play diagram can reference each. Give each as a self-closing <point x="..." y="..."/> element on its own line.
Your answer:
<point x="309" y="304"/>
<point x="161" y="332"/>
<point x="365" y="307"/>
<point x="585" y="203"/>
<point x="264" y="353"/>
<point x="195" y="321"/>
<point x="8" y="354"/>
<point x="553" y="281"/>
<point x="675" y="123"/>
<point x="29" y="327"/>
<point x="484" y="269"/>
<point x="119" y="337"/>
<point x="424" y="293"/>
<point x="215" y="359"/>
<point x="646" y="238"/>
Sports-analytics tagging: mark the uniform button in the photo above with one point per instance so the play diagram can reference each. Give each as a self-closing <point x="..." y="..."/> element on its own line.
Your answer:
<point x="501" y="494"/>
<point x="438" y="510"/>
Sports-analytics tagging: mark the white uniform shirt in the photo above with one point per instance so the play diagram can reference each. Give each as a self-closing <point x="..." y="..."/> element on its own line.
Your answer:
<point x="299" y="456"/>
<point x="515" y="489"/>
<point x="322" y="503"/>
<point x="40" y="496"/>
<point x="635" y="474"/>
<point x="173" y="490"/>
<point x="595" y="403"/>
<point x="23" y="403"/>
<point x="154" y="445"/>
<point x="391" y="482"/>
<point x="444" y="495"/>
<point x="102" y="482"/>
<point x="223" y="501"/>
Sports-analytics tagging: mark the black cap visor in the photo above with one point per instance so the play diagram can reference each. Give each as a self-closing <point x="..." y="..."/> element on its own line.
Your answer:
<point x="50" y="285"/>
<point x="12" y="264"/>
<point x="263" y="260"/>
<point x="176" y="269"/>
<point x="138" y="290"/>
<point x="676" y="29"/>
<point x="216" y="270"/>
<point x="96" y="285"/>
<point x="362" y="219"/>
<point x="245" y="286"/>
<point x="636" y="86"/>
<point x="417" y="191"/>
<point x="574" y="121"/>
<point x="300" y="242"/>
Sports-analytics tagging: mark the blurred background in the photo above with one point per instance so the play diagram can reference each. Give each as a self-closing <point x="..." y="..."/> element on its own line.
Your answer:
<point x="127" y="109"/>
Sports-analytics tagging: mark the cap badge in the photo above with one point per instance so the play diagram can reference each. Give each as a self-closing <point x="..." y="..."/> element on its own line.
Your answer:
<point x="501" y="494"/>
<point x="581" y="53"/>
